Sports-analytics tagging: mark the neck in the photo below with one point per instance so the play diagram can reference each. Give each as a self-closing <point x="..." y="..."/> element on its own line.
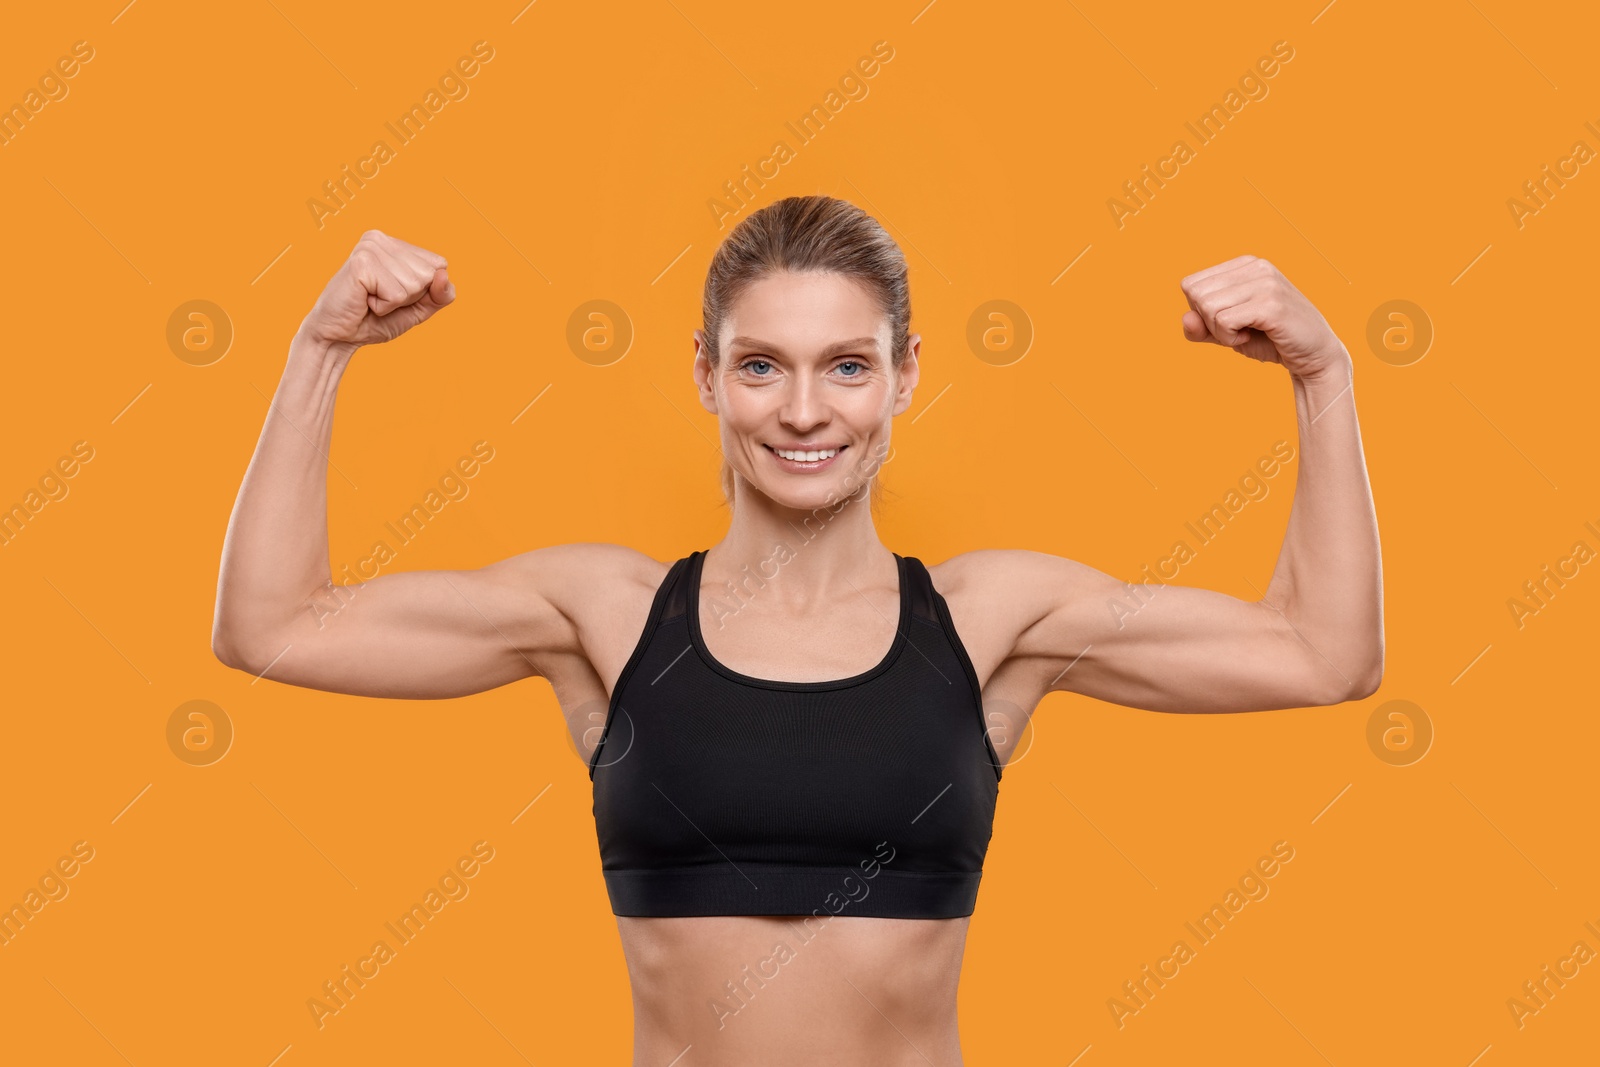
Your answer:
<point x="808" y="552"/>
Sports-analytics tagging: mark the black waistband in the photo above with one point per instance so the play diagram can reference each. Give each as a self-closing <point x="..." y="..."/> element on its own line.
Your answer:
<point x="775" y="889"/>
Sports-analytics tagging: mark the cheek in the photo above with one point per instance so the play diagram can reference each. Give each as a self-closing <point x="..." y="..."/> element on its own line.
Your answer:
<point x="743" y="419"/>
<point x="746" y="413"/>
<point x="879" y="408"/>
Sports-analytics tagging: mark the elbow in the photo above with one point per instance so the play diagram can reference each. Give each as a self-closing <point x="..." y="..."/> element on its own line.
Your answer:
<point x="1339" y="688"/>
<point x="224" y="640"/>
<point x="226" y="652"/>
<point x="1371" y="675"/>
<point x="239" y="640"/>
<point x="234" y="651"/>
<point x="219" y="644"/>
<point x="1367" y="683"/>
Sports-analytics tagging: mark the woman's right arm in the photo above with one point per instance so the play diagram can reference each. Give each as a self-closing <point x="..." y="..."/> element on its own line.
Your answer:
<point x="413" y="634"/>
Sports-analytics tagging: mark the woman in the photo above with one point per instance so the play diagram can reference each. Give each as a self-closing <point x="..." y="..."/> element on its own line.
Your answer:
<point x="792" y="820"/>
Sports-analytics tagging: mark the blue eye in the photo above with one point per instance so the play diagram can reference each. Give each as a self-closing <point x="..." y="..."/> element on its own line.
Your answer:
<point x="861" y="368"/>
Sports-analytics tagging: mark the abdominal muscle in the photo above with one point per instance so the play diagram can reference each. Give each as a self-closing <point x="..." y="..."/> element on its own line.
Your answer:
<point x="846" y="990"/>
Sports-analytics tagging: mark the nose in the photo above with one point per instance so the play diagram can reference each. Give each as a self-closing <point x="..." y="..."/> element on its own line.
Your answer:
<point x="803" y="405"/>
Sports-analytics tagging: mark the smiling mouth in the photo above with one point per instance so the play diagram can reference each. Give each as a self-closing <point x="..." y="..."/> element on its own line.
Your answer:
<point x="814" y="456"/>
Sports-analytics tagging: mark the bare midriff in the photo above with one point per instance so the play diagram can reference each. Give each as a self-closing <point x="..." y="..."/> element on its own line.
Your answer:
<point x="849" y="991"/>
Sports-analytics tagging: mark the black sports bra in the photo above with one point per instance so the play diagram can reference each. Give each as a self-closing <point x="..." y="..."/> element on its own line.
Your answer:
<point x="716" y="793"/>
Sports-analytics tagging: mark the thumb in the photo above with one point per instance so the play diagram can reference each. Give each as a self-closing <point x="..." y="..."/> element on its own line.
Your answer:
<point x="442" y="290"/>
<point x="440" y="293"/>
<point x="1194" y="328"/>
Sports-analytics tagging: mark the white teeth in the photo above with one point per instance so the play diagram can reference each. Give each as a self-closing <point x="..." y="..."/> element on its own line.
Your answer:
<point x="807" y="457"/>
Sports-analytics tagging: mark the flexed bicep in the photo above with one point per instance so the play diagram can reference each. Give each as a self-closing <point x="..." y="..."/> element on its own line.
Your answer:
<point x="1164" y="647"/>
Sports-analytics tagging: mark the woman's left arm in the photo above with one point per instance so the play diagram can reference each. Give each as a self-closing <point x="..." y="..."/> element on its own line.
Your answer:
<point x="1313" y="637"/>
<point x="1328" y="581"/>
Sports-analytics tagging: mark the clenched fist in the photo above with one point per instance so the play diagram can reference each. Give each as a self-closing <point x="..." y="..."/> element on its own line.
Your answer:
<point x="386" y="287"/>
<point x="1247" y="305"/>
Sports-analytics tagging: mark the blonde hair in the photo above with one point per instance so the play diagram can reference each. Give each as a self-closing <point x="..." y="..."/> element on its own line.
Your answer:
<point x="802" y="234"/>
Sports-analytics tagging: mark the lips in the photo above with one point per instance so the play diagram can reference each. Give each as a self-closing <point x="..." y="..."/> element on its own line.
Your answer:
<point x="806" y="465"/>
<point x="809" y="455"/>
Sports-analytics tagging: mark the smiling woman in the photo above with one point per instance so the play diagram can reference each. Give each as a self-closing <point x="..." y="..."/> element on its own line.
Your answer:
<point x="835" y="242"/>
<point x="852" y="718"/>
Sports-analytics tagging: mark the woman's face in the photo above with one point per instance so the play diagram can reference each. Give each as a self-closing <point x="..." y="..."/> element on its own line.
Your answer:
<point x="805" y="367"/>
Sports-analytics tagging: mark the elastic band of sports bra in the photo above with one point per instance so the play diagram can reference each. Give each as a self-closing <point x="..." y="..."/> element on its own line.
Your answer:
<point x="783" y="889"/>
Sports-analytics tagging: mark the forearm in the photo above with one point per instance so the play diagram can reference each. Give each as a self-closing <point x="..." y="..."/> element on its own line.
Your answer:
<point x="275" y="554"/>
<point x="1328" y="579"/>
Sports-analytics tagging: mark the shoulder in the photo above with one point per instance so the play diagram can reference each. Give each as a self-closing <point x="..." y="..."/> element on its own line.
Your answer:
<point x="584" y="577"/>
<point x="1011" y="575"/>
<point x="1012" y="604"/>
<point x="996" y="595"/>
<point x="1013" y="590"/>
<point x="575" y="603"/>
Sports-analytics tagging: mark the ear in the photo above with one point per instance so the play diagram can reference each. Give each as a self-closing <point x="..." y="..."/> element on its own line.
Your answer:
<point x="909" y="372"/>
<point x="703" y="373"/>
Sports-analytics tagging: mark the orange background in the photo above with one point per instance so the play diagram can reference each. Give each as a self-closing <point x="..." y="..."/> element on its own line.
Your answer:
<point x="579" y="167"/>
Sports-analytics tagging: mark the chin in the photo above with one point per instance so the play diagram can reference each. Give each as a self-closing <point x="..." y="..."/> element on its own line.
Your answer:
<point x="804" y="498"/>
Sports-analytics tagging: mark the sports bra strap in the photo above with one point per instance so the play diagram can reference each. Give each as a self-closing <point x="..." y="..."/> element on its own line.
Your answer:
<point x="921" y="591"/>
<point x="677" y="602"/>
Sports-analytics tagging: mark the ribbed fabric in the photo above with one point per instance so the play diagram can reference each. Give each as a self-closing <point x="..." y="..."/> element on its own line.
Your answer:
<point x="717" y="793"/>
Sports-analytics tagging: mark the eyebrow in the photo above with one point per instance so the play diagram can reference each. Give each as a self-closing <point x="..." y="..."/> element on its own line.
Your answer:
<point x="834" y="349"/>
